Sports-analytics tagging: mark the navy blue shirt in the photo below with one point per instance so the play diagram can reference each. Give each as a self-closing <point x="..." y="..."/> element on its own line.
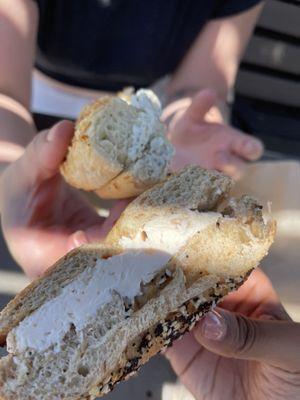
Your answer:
<point x="107" y="45"/>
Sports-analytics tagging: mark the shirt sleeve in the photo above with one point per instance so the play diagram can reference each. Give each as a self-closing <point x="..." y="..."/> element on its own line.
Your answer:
<point x="226" y="8"/>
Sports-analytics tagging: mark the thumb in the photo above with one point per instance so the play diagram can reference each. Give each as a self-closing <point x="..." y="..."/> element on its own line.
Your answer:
<point x="201" y="104"/>
<point x="235" y="336"/>
<point x="43" y="156"/>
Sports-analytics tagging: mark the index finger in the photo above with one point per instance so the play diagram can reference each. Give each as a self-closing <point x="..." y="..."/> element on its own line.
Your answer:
<point x="255" y="297"/>
<point x="201" y="104"/>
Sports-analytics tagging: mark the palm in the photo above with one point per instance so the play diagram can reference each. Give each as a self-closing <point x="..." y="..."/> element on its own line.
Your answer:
<point x="211" y="376"/>
<point x="205" y="144"/>
<point x="220" y="378"/>
<point x="44" y="218"/>
<point x="200" y="137"/>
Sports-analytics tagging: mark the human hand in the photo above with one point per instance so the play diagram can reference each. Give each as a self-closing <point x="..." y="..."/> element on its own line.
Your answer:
<point x="200" y="137"/>
<point x="42" y="216"/>
<point x="248" y="350"/>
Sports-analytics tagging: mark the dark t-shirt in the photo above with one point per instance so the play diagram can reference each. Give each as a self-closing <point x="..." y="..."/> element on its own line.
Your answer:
<point x="108" y="44"/>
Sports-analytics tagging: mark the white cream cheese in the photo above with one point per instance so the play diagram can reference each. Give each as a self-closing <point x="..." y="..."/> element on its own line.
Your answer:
<point x="79" y="301"/>
<point x="147" y="125"/>
<point x="170" y="232"/>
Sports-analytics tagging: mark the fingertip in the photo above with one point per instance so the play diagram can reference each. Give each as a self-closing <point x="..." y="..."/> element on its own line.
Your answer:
<point x="56" y="143"/>
<point x="62" y="130"/>
<point x="44" y="154"/>
<point x="252" y="149"/>
<point x="211" y="327"/>
<point x="76" y="239"/>
<point x="201" y="104"/>
<point x="248" y="148"/>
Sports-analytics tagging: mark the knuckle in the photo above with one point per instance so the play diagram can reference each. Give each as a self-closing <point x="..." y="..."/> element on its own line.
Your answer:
<point x="247" y="334"/>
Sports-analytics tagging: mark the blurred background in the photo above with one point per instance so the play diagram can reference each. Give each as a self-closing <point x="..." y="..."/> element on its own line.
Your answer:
<point x="267" y="103"/>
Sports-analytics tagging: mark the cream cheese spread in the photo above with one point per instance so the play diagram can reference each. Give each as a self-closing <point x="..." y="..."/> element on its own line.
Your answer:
<point x="80" y="300"/>
<point x="170" y="232"/>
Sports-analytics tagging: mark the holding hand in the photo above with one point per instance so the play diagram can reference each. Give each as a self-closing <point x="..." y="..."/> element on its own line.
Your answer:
<point x="200" y="137"/>
<point x="43" y="217"/>
<point x="248" y="350"/>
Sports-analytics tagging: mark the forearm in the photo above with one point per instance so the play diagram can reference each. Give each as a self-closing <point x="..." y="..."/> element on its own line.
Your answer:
<point x="213" y="60"/>
<point x="16" y="130"/>
<point x="18" y="30"/>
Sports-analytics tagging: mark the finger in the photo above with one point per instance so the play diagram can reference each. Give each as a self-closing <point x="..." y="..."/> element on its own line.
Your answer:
<point x="95" y="233"/>
<point x="233" y="335"/>
<point x="114" y="214"/>
<point x="247" y="147"/>
<point x="77" y="239"/>
<point x="201" y="104"/>
<point x="230" y="164"/>
<point x="254" y="297"/>
<point x="43" y="156"/>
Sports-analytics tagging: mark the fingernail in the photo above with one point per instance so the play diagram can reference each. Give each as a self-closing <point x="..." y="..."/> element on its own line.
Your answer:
<point x="77" y="239"/>
<point x="251" y="146"/>
<point x="51" y="134"/>
<point x="213" y="326"/>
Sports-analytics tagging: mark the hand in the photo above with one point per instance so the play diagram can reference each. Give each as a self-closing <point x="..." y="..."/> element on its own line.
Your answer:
<point x="200" y="138"/>
<point x="43" y="217"/>
<point x="248" y="350"/>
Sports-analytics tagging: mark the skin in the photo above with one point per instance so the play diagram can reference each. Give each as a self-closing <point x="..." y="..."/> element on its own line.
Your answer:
<point x="247" y="350"/>
<point x="197" y="132"/>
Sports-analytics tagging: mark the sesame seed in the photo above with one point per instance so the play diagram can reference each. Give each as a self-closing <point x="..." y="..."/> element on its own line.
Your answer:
<point x="158" y="330"/>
